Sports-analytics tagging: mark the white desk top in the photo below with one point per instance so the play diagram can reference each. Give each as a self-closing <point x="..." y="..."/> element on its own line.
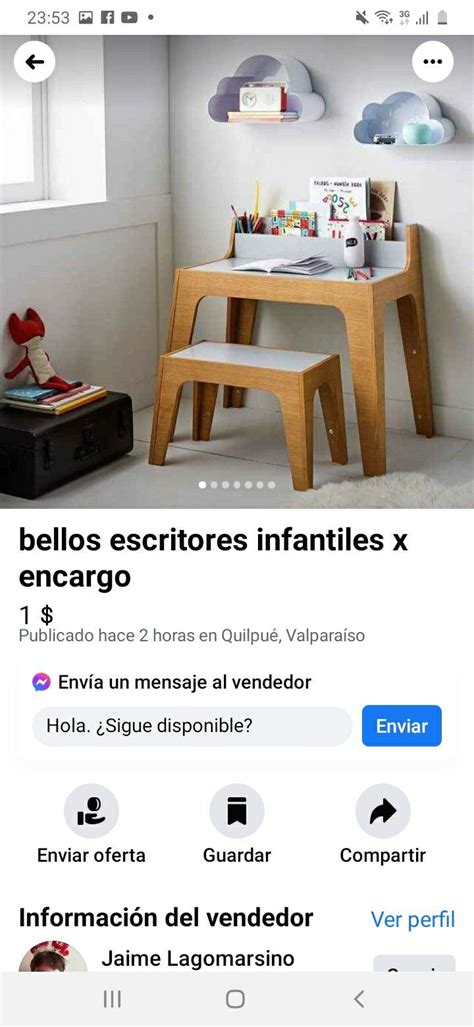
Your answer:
<point x="337" y="274"/>
<point x="250" y="356"/>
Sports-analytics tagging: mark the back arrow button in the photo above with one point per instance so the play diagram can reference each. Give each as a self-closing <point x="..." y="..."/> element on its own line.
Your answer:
<point x="33" y="61"/>
<point x="357" y="999"/>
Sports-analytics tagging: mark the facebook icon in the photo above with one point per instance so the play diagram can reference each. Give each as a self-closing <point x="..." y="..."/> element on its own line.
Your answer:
<point x="107" y="17"/>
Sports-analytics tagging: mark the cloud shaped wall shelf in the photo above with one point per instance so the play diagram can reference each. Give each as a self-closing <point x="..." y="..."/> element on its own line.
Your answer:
<point x="301" y="98"/>
<point x="405" y="119"/>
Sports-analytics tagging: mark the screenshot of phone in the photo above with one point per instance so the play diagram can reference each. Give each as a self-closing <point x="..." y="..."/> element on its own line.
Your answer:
<point x="236" y="493"/>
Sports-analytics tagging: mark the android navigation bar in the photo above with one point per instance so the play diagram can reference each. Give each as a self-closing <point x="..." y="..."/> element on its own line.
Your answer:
<point x="218" y="999"/>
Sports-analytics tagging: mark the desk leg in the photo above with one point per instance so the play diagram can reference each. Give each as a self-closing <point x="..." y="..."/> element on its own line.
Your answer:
<point x="411" y="312"/>
<point x="364" y="324"/>
<point x="182" y="319"/>
<point x="330" y="395"/>
<point x="240" y="322"/>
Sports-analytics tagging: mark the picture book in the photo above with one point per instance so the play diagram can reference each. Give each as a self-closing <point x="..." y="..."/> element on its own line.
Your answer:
<point x="32" y="393"/>
<point x="29" y="393"/>
<point x="59" y="397"/>
<point x="314" y="265"/>
<point x="321" y="212"/>
<point x="293" y="222"/>
<point x="60" y="403"/>
<point x="343" y="197"/>
<point x="382" y="204"/>
<point x="64" y="408"/>
<point x="82" y="395"/>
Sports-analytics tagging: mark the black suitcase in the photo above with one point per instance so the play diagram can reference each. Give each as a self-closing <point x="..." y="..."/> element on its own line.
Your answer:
<point x="38" y="452"/>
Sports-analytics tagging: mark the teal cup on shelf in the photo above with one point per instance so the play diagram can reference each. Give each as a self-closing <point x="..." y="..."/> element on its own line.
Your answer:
<point x="416" y="133"/>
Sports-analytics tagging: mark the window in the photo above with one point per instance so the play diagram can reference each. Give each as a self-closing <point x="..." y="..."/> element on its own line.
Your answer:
<point x="22" y="153"/>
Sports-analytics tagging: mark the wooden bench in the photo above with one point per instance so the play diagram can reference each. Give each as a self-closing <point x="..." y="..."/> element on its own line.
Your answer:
<point x="291" y="375"/>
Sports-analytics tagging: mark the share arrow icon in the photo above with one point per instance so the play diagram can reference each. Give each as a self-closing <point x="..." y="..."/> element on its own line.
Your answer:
<point x="385" y="811"/>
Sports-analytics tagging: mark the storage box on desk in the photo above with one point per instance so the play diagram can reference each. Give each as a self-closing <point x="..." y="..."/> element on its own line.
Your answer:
<point x="38" y="452"/>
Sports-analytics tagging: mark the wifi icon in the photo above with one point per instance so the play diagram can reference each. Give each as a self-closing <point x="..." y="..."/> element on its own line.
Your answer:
<point x="384" y="16"/>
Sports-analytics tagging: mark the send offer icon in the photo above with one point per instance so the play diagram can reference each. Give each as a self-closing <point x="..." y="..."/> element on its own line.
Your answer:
<point x="402" y="725"/>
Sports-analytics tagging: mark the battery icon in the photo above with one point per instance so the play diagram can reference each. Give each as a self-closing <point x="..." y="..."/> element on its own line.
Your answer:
<point x="442" y="18"/>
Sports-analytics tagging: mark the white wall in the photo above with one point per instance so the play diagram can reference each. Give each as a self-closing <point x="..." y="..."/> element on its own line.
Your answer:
<point x="213" y="165"/>
<point x="136" y="114"/>
<point x="76" y="120"/>
<point x="101" y="273"/>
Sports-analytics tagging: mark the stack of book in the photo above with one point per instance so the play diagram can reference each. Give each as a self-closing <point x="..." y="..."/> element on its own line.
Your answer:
<point x="263" y="117"/>
<point x="51" y="401"/>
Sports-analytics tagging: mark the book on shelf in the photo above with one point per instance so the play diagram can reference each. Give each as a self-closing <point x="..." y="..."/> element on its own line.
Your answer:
<point x="341" y="197"/>
<point x="261" y="116"/>
<point x="293" y="222"/>
<point x="61" y="403"/>
<point x="382" y="204"/>
<point x="314" y="265"/>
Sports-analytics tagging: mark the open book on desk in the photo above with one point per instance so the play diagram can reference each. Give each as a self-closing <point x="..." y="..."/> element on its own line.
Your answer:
<point x="314" y="265"/>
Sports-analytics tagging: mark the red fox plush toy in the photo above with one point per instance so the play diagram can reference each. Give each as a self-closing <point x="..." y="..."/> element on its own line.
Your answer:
<point x="28" y="333"/>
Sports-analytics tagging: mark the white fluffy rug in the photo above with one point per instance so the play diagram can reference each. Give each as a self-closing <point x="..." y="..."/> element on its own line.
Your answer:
<point x="401" y="490"/>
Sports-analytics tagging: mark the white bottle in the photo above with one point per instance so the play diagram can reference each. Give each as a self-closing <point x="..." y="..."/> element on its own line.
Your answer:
<point x="354" y="248"/>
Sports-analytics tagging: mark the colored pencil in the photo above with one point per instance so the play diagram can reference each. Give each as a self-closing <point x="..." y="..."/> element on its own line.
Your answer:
<point x="256" y="207"/>
<point x="238" y="221"/>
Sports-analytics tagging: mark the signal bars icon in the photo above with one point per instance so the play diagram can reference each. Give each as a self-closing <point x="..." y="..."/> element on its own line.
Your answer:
<point x="423" y="20"/>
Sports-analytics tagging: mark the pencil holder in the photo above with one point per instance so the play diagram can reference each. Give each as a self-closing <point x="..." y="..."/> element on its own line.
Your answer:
<point x="246" y="224"/>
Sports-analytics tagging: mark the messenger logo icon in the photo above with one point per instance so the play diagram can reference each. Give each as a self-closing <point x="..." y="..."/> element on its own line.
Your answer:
<point x="41" y="682"/>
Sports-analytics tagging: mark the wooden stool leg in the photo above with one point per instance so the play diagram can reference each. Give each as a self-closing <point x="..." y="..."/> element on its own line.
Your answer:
<point x="204" y="404"/>
<point x="184" y="309"/>
<point x="240" y="322"/>
<point x="411" y="312"/>
<point x="298" y="421"/>
<point x="330" y="394"/>
<point x="166" y="410"/>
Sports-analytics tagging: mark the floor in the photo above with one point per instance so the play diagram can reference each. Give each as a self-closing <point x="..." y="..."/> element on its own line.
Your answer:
<point x="247" y="459"/>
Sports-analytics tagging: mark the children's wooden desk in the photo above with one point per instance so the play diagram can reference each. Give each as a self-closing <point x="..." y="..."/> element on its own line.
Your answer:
<point x="397" y="277"/>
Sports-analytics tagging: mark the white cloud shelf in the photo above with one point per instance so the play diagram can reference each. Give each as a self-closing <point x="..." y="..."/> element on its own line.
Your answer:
<point x="302" y="100"/>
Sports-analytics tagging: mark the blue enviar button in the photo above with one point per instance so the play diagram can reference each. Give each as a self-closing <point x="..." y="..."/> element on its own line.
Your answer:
<point x="402" y="725"/>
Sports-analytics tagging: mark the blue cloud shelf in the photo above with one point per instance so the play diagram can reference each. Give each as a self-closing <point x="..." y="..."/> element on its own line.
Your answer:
<point x="404" y="119"/>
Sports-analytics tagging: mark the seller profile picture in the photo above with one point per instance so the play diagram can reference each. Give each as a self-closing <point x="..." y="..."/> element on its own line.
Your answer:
<point x="52" y="957"/>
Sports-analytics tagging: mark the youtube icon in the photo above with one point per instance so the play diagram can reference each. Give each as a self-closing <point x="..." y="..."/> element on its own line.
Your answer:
<point x="129" y="17"/>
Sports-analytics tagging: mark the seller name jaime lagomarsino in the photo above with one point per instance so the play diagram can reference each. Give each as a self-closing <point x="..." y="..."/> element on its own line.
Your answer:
<point x="199" y="960"/>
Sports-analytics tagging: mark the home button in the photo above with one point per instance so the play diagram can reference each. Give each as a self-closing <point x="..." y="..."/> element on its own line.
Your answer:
<point x="235" y="999"/>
